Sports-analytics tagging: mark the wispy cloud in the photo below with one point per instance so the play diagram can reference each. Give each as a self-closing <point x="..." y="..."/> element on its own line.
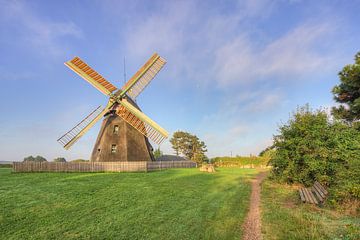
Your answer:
<point x="264" y="103"/>
<point x="43" y="34"/>
<point x="237" y="139"/>
<point x="257" y="8"/>
<point x="243" y="61"/>
<point x="230" y="72"/>
<point x="192" y="39"/>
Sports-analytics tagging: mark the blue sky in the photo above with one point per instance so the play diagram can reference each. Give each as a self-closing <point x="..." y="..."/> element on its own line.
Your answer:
<point x="235" y="69"/>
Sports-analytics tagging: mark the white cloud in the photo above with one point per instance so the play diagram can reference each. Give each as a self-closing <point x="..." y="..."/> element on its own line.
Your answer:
<point x="264" y="103"/>
<point x="236" y="139"/>
<point x="239" y="136"/>
<point x="242" y="61"/>
<point x="256" y="147"/>
<point x="251" y="102"/>
<point x="220" y="48"/>
<point x="43" y="34"/>
<point x="168" y="32"/>
<point x="237" y="126"/>
<point x="203" y="47"/>
<point x="257" y="8"/>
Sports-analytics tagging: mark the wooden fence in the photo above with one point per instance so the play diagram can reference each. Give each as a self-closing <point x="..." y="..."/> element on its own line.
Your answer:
<point x="99" y="166"/>
<point x="153" y="166"/>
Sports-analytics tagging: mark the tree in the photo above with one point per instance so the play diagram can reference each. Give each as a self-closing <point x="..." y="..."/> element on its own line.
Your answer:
<point x="29" y="159"/>
<point x="60" y="159"/>
<point x="176" y="141"/>
<point x="40" y="159"/>
<point x="200" y="157"/>
<point x="347" y="93"/>
<point x="189" y="145"/>
<point x="157" y="153"/>
<point x="35" y="159"/>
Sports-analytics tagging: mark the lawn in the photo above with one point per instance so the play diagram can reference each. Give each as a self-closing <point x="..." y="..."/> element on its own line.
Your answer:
<point x="285" y="217"/>
<point x="171" y="204"/>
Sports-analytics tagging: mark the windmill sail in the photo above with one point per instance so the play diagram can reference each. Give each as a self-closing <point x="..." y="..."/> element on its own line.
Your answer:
<point x="69" y="138"/>
<point x="142" y="78"/>
<point x="90" y="75"/>
<point x="126" y="110"/>
<point x="141" y="122"/>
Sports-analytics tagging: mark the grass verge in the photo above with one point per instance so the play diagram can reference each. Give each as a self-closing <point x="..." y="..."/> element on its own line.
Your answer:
<point x="239" y="161"/>
<point x="285" y="217"/>
<point x="171" y="204"/>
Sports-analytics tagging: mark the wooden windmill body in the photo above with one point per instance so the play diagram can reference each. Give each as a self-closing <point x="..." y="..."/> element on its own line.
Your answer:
<point x="125" y="129"/>
<point x="119" y="141"/>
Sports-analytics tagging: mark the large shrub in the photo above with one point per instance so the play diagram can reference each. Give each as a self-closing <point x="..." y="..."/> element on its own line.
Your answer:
<point x="60" y="159"/>
<point x="29" y="159"/>
<point x="346" y="182"/>
<point x="35" y="159"/>
<point x="310" y="147"/>
<point x="40" y="159"/>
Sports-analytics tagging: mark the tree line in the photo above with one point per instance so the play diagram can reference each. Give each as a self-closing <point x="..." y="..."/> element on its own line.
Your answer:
<point x="42" y="159"/>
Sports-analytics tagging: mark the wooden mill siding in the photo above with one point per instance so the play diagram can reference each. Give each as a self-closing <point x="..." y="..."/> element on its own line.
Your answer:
<point x="131" y="145"/>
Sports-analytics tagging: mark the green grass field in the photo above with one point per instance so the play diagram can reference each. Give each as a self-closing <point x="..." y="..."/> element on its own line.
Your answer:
<point x="171" y="204"/>
<point x="285" y="217"/>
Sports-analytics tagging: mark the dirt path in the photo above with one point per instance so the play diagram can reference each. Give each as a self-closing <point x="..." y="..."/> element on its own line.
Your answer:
<point x="252" y="225"/>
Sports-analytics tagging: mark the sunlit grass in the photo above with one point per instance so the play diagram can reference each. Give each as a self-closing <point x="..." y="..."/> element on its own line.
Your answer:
<point x="285" y="217"/>
<point x="172" y="204"/>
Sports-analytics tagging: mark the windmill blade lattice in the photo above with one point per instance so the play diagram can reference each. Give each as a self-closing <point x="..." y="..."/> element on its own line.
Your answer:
<point x="143" y="77"/>
<point x="141" y="122"/>
<point x="69" y="138"/>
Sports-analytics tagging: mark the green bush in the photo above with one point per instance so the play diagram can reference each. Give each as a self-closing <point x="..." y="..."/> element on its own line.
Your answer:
<point x="267" y="152"/>
<point x="311" y="147"/>
<point x="35" y="159"/>
<point x="60" y="159"/>
<point x="157" y="153"/>
<point x="29" y="159"/>
<point x="347" y="179"/>
<point x="239" y="161"/>
<point x="40" y="159"/>
<point x="79" y="160"/>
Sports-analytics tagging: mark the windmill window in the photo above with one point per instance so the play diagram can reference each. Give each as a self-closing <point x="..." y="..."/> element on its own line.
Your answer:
<point x="116" y="129"/>
<point x="113" y="148"/>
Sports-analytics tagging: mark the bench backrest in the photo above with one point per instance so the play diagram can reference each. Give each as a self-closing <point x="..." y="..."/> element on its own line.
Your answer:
<point x="320" y="191"/>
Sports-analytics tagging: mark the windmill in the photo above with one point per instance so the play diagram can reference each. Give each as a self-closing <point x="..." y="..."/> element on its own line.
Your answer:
<point x="125" y="129"/>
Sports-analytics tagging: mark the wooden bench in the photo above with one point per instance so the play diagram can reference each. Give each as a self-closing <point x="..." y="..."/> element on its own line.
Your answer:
<point x="315" y="195"/>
